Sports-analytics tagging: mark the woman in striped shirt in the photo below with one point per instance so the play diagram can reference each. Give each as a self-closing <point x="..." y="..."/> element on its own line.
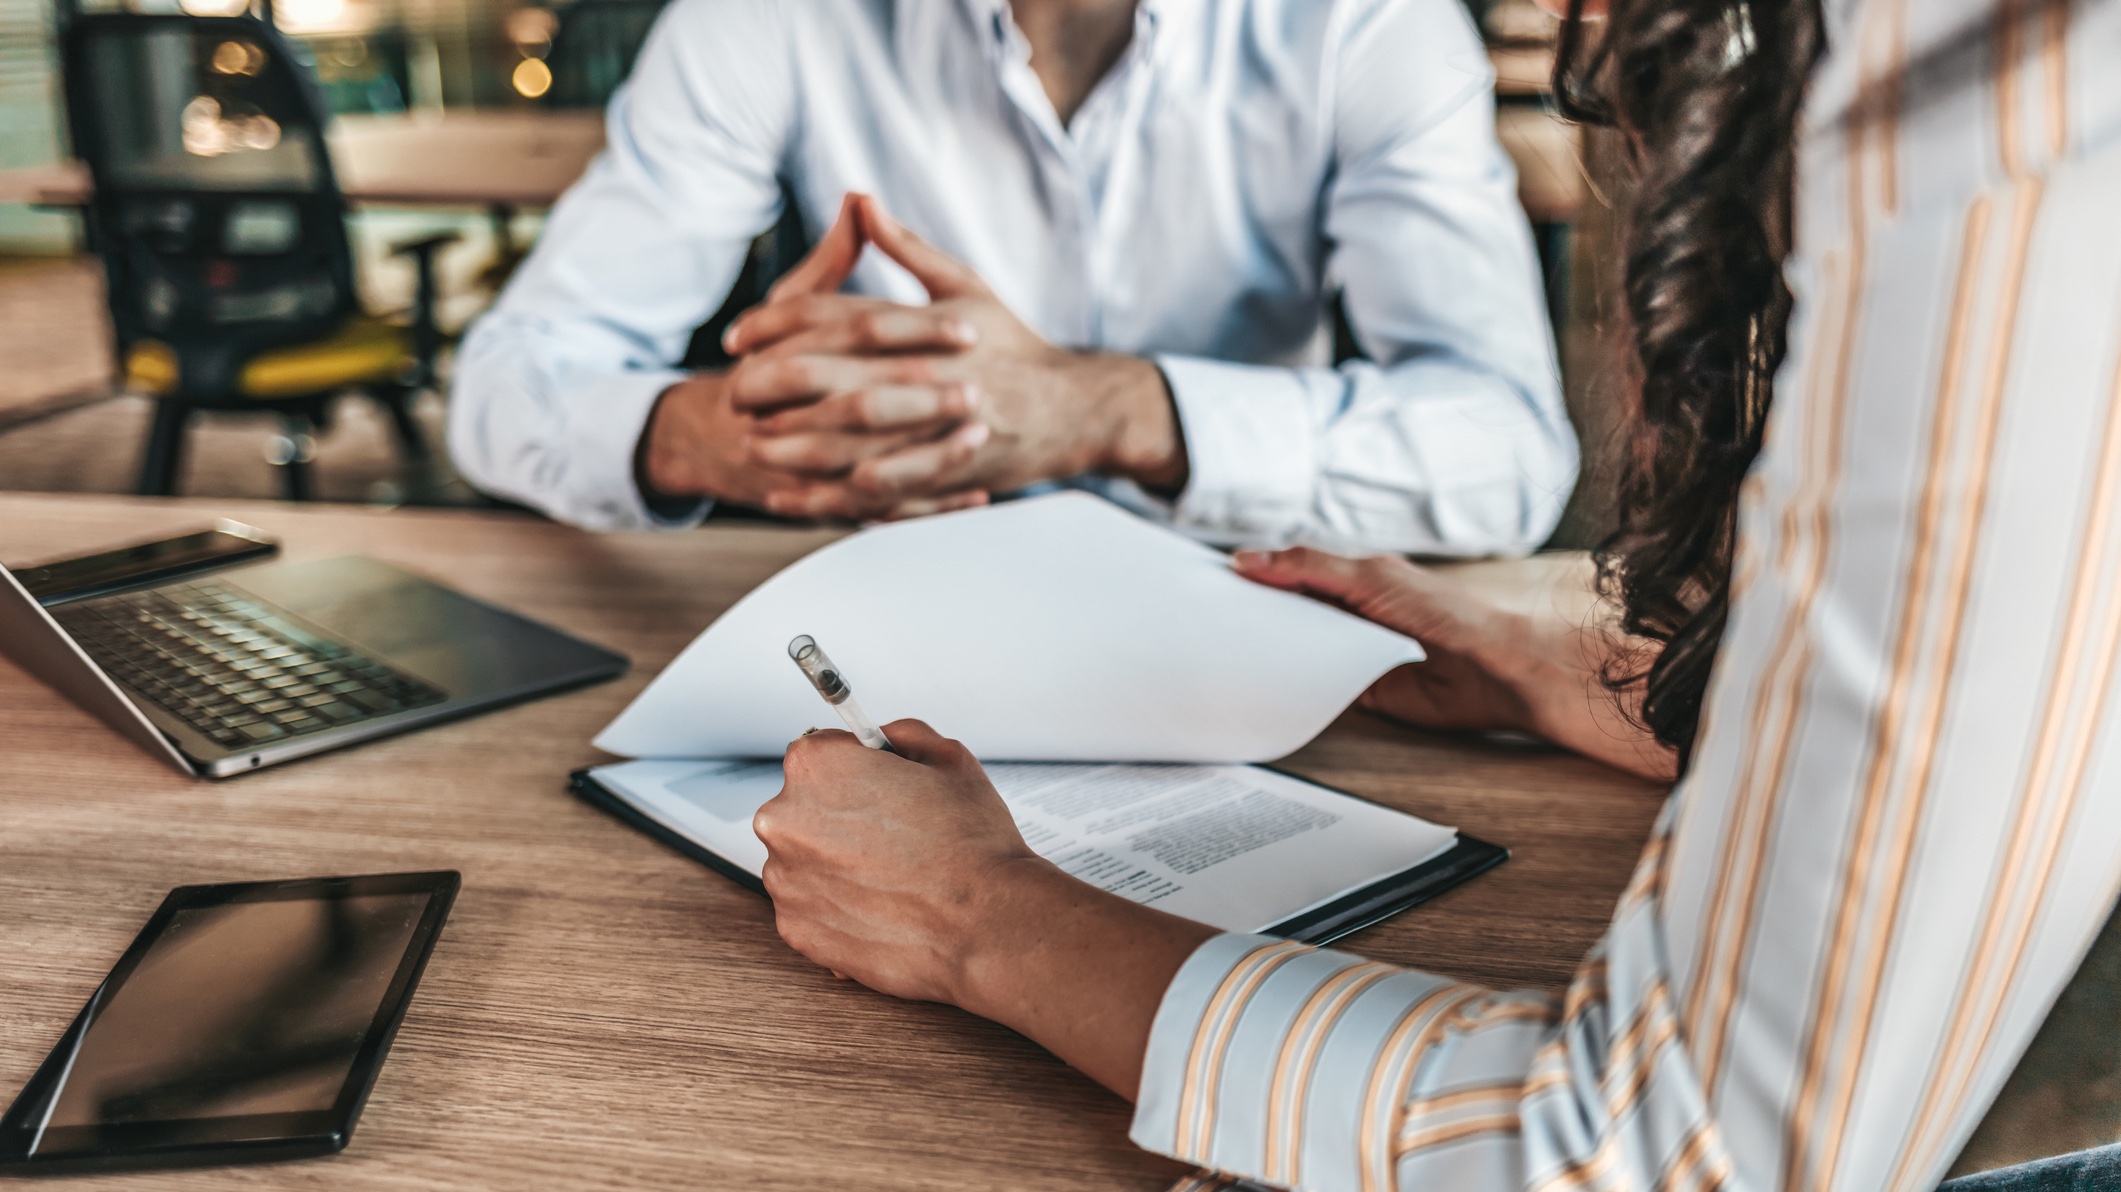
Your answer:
<point x="1899" y="821"/>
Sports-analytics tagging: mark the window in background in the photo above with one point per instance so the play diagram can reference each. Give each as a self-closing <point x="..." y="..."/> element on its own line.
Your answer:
<point x="531" y="30"/>
<point x="589" y="48"/>
<point x="366" y="73"/>
<point x="370" y="57"/>
<point x="30" y="125"/>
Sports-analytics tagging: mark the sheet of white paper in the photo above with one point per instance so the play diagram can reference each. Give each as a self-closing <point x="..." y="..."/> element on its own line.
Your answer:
<point x="1060" y="628"/>
<point x="1236" y="847"/>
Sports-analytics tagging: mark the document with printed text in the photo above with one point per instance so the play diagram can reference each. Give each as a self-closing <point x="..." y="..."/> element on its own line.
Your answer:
<point x="1237" y="847"/>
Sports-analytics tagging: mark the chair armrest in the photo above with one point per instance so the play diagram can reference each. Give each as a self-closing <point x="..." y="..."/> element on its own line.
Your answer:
<point x="426" y="334"/>
<point x="425" y="246"/>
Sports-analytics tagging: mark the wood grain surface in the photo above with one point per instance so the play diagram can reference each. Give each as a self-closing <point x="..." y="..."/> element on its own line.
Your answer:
<point x="602" y="1012"/>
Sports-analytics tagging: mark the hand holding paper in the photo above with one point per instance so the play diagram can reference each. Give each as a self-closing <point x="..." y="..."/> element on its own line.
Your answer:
<point x="1054" y="629"/>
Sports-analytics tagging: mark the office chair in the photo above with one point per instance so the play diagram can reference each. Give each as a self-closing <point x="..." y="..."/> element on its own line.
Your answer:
<point x="223" y="237"/>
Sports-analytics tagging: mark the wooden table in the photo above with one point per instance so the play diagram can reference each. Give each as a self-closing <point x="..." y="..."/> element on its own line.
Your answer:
<point x="472" y="159"/>
<point x="602" y="1011"/>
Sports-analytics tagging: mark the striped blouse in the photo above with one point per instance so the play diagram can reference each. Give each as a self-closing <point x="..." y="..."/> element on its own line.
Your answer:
<point x="1903" y="825"/>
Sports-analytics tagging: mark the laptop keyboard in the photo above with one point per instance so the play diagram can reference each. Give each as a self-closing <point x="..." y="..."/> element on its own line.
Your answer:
<point x="232" y="666"/>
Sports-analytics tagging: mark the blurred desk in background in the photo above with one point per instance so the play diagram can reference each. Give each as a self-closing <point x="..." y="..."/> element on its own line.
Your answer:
<point x="469" y="159"/>
<point x="1547" y="151"/>
<point x="1522" y="70"/>
<point x="55" y="184"/>
<point x="482" y="159"/>
<point x="527" y="159"/>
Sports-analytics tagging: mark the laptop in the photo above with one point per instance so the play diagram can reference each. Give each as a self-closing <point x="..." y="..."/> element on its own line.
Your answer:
<point x="224" y="672"/>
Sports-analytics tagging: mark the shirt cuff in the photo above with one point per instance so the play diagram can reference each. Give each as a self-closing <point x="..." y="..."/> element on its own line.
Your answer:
<point x="1250" y="450"/>
<point x="1279" y="1062"/>
<point x="606" y="428"/>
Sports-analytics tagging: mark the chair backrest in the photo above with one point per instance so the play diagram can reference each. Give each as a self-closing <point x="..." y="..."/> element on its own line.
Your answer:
<point x="594" y="48"/>
<point x="216" y="213"/>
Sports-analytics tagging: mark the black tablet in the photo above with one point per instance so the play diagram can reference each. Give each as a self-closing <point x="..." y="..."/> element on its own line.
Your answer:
<point x="245" y="1023"/>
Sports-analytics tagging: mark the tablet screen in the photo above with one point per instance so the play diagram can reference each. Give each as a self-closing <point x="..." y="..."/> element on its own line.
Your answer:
<point x="250" y="1007"/>
<point x="245" y="1023"/>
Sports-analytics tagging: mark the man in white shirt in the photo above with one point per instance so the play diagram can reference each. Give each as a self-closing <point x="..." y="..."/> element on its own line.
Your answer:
<point x="1130" y="216"/>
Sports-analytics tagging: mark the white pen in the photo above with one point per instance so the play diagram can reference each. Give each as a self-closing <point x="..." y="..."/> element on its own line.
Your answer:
<point x="831" y="684"/>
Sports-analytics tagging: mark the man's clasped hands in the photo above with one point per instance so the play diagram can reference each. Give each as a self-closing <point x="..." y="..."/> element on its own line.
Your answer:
<point x="848" y="407"/>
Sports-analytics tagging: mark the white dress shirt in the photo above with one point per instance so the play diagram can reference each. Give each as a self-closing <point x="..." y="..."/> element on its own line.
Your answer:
<point x="1902" y="828"/>
<point x="1242" y="160"/>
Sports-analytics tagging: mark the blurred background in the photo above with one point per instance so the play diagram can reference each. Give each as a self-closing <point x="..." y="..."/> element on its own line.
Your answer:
<point x="456" y="122"/>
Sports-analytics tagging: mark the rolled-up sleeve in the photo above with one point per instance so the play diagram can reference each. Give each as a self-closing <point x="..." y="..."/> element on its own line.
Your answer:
<point x="555" y="385"/>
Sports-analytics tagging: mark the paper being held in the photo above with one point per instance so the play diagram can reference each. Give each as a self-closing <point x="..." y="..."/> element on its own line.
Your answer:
<point x="1059" y="628"/>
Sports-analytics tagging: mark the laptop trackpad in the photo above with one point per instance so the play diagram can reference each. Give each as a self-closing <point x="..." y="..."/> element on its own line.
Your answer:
<point x="459" y="644"/>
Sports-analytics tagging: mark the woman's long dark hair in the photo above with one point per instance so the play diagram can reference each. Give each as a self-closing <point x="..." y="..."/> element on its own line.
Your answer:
<point x="1705" y="95"/>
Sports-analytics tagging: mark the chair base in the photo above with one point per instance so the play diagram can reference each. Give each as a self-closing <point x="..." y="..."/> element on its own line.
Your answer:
<point x="163" y="456"/>
<point x="293" y="450"/>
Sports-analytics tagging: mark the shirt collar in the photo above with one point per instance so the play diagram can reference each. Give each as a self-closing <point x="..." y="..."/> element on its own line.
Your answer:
<point x="1152" y="7"/>
<point x="996" y="22"/>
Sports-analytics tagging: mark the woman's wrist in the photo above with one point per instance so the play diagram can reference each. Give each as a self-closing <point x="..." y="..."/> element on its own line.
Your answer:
<point x="1076" y="969"/>
<point x="1512" y="648"/>
<point x="991" y="939"/>
<point x="1557" y="671"/>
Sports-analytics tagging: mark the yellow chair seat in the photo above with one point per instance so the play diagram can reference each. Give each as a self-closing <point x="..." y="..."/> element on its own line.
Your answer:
<point x="362" y="351"/>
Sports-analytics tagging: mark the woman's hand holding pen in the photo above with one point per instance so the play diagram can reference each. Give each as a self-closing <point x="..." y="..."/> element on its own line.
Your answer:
<point x="906" y="873"/>
<point x="882" y="867"/>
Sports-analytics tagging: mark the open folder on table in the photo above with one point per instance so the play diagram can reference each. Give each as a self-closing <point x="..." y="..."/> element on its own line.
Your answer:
<point x="1059" y="629"/>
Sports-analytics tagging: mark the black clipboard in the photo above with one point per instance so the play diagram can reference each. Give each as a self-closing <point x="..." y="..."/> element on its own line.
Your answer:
<point x="1343" y="916"/>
